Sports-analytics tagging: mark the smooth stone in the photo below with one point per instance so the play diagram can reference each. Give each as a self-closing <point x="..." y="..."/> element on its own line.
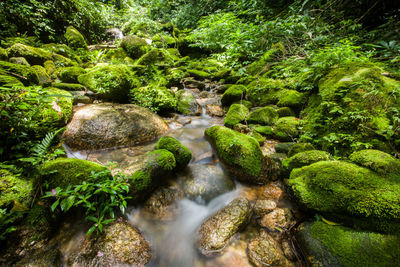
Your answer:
<point x="277" y="219"/>
<point x="263" y="206"/>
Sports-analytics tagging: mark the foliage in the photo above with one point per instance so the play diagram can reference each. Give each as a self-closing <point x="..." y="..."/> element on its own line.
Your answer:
<point x="7" y="219"/>
<point x="100" y="196"/>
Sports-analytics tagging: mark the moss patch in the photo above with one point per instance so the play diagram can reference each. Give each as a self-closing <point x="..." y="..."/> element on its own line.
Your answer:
<point x="70" y="74"/>
<point x="305" y="158"/>
<point x="299" y="147"/>
<point x="287" y="128"/>
<point x="14" y="190"/>
<point x="233" y="94"/>
<point x="35" y="56"/>
<point x="181" y="153"/>
<point x="263" y="116"/>
<point x="134" y="46"/>
<point x="25" y="74"/>
<point x="236" y="114"/>
<point x="74" y="38"/>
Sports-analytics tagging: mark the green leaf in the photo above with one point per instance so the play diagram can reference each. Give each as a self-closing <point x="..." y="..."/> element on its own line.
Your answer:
<point x="91" y="230"/>
<point x="55" y="204"/>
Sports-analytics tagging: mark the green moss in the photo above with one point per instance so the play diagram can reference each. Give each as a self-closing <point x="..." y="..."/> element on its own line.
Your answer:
<point x="164" y="40"/>
<point x="69" y="86"/>
<point x="14" y="190"/>
<point x="264" y="130"/>
<point x="115" y="54"/>
<point x="347" y="193"/>
<point x="263" y="92"/>
<point x="63" y="50"/>
<point x="26" y="40"/>
<point x="35" y="56"/>
<point x="284" y="147"/>
<point x="181" y="153"/>
<point x="151" y="57"/>
<point x="174" y="77"/>
<point x="186" y="103"/>
<point x="260" y="139"/>
<point x="350" y="247"/>
<point x="287" y="128"/>
<point x="50" y="67"/>
<point x="291" y="98"/>
<point x="264" y="116"/>
<point x="305" y="158"/>
<point x="158" y="98"/>
<point x="25" y="74"/>
<point x="285" y="112"/>
<point x="378" y="161"/>
<point x="9" y="81"/>
<point x="74" y="38"/>
<point x="299" y="147"/>
<point x="70" y="74"/>
<point x="236" y="114"/>
<point x="134" y="46"/>
<point x="246" y="103"/>
<point x="263" y="64"/>
<point x="198" y="74"/>
<point x="233" y="94"/>
<point x="63" y="172"/>
<point x="112" y="82"/>
<point x="61" y="61"/>
<point x="44" y="77"/>
<point x="3" y="54"/>
<point x="239" y="151"/>
<point x="19" y="60"/>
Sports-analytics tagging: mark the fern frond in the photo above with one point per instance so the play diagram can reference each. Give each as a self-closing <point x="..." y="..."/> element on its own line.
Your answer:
<point x="42" y="148"/>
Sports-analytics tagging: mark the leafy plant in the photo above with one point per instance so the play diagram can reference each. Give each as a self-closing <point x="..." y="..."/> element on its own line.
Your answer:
<point x="6" y="222"/>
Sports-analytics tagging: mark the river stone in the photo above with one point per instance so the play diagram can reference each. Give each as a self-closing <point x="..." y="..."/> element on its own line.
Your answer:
<point x="202" y="183"/>
<point x="264" y="251"/>
<point x="214" y="110"/>
<point x="277" y="219"/>
<point x="263" y="206"/>
<point x="108" y="125"/>
<point x="215" y="233"/>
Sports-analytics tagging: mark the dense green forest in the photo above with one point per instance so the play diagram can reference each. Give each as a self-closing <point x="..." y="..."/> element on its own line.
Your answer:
<point x="322" y="78"/>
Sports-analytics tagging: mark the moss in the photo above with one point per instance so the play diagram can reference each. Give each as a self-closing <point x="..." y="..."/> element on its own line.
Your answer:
<point x="61" y="61"/>
<point x="153" y="96"/>
<point x="134" y="46"/>
<point x="50" y="67"/>
<point x="14" y="191"/>
<point x="19" y="60"/>
<point x="349" y="194"/>
<point x="284" y="147"/>
<point x="264" y="116"/>
<point x="236" y="114"/>
<point x="69" y="86"/>
<point x="63" y="50"/>
<point x="349" y="247"/>
<point x="299" y="147"/>
<point x="164" y="40"/>
<point x="263" y="92"/>
<point x="35" y="56"/>
<point x="292" y="98"/>
<point x="70" y="74"/>
<point x="378" y="161"/>
<point x="174" y="77"/>
<point x="112" y="82"/>
<point x="285" y="112"/>
<point x="198" y="74"/>
<point x="26" y="40"/>
<point x="287" y="128"/>
<point x="305" y="158"/>
<point x="151" y="57"/>
<point x="264" y="130"/>
<point x="3" y="54"/>
<point x="181" y="153"/>
<point x="260" y="139"/>
<point x="25" y="74"/>
<point x="115" y="54"/>
<point x="263" y="64"/>
<point x="63" y="172"/>
<point x="186" y="103"/>
<point x="9" y="81"/>
<point x="74" y="38"/>
<point x="44" y="78"/>
<point x="239" y="151"/>
<point x="246" y="103"/>
<point x="233" y="94"/>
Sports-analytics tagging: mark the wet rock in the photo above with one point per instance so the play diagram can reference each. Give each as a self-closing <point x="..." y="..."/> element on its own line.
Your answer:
<point x="263" y="206"/>
<point x="205" y="182"/>
<point x="264" y="251"/>
<point x="277" y="219"/>
<point x="181" y="153"/>
<point x="215" y="233"/>
<point x="204" y="94"/>
<point x="215" y="110"/>
<point x="272" y="190"/>
<point x="233" y="256"/>
<point x="106" y="125"/>
<point x="288" y="250"/>
<point x="192" y="83"/>
<point x="184" y="120"/>
<point x="186" y="103"/>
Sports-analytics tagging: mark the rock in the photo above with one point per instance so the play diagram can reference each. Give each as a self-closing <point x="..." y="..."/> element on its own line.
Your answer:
<point x="285" y="112"/>
<point x="327" y="245"/>
<point x="303" y="159"/>
<point x="69" y="86"/>
<point x="215" y="233"/>
<point x="263" y="206"/>
<point x="263" y="116"/>
<point x="205" y="182"/>
<point x="82" y="99"/>
<point x="287" y="128"/>
<point x="164" y="101"/>
<point x="264" y="92"/>
<point x="19" y="60"/>
<point x="378" y="161"/>
<point x="264" y="130"/>
<point x="347" y="193"/>
<point x="233" y="94"/>
<point x="181" y="153"/>
<point x="288" y="250"/>
<point x="184" y="120"/>
<point x="108" y="125"/>
<point x="277" y="219"/>
<point x="264" y="251"/>
<point x="27" y="75"/>
<point x="199" y="74"/>
<point x="70" y="74"/>
<point x="186" y="103"/>
<point x="299" y="147"/>
<point x="74" y="38"/>
<point x="214" y="110"/>
<point x="236" y="114"/>
<point x="16" y="192"/>
<point x="234" y="255"/>
<point x="44" y="78"/>
<point x="240" y="153"/>
<point x="204" y="94"/>
<point x="292" y="98"/>
<point x="134" y="46"/>
<point x="35" y="56"/>
<point x="284" y="147"/>
<point x="272" y="190"/>
<point x="276" y="159"/>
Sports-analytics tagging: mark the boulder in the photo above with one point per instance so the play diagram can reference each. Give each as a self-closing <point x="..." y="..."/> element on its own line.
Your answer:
<point x="16" y="192"/>
<point x="287" y="128"/>
<point x="70" y="74"/>
<point x="19" y="60"/>
<point x="27" y="75"/>
<point x="186" y="103"/>
<point x="233" y="94"/>
<point x="277" y="219"/>
<point x="299" y="147"/>
<point x="378" y="161"/>
<point x="181" y="153"/>
<point x="44" y="77"/>
<point x="35" y="56"/>
<point x="215" y="233"/>
<point x="264" y="206"/>
<point x="236" y="114"/>
<point x="214" y="110"/>
<point x="263" y="116"/>
<point x="303" y="159"/>
<point x="74" y="38"/>
<point x="98" y="126"/>
<point x="134" y="46"/>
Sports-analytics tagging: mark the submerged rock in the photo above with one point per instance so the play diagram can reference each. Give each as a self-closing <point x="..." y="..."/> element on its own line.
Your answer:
<point x="215" y="233"/>
<point x="98" y="126"/>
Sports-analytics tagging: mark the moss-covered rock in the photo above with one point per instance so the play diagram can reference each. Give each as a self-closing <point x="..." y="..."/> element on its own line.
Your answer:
<point x="285" y="112"/>
<point x="19" y="60"/>
<point x="35" y="56"/>
<point x="263" y="116"/>
<point x="112" y="82"/>
<point x="181" y="153"/>
<point x="260" y="139"/>
<point x="264" y="130"/>
<point x="263" y="64"/>
<point x="3" y="54"/>
<point x="305" y="158"/>
<point x="25" y="74"/>
<point x="63" y="172"/>
<point x="63" y="50"/>
<point x="284" y="147"/>
<point x="9" y="81"/>
<point x="236" y="114"/>
<point x="292" y="98"/>
<point x="158" y="98"/>
<point x="263" y="92"/>
<point x="134" y="46"/>
<point x="70" y="74"/>
<point x="69" y="86"/>
<point x="116" y="54"/>
<point x="61" y="61"/>
<point x="44" y="77"/>
<point x="327" y="245"/>
<point x="164" y="40"/>
<point x="74" y="38"/>
<point x="151" y="57"/>
<point x="50" y="67"/>
<point x="15" y="192"/>
<point x="240" y="153"/>
<point x="186" y="103"/>
<point x="349" y="194"/>
<point x="287" y="128"/>
<point x="233" y="94"/>
<point x="299" y="147"/>
<point x="199" y="74"/>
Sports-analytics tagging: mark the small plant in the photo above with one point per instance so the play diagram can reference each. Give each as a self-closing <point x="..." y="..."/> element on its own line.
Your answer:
<point x="101" y="195"/>
<point x="6" y="221"/>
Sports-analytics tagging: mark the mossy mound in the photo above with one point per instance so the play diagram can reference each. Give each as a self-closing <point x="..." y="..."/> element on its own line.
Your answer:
<point x="63" y="50"/>
<point x="236" y="114"/>
<point x="153" y="56"/>
<point x="162" y="40"/>
<point x="134" y="46"/>
<point x="284" y="147"/>
<point x="347" y="193"/>
<point x="112" y="82"/>
<point x="327" y="245"/>
<point x="186" y="103"/>
<point x="285" y="112"/>
<point x="233" y="94"/>
<point x="63" y="172"/>
<point x="299" y="147"/>
<point x="264" y="92"/>
<point x="74" y="38"/>
<point x="287" y="128"/>
<point x="240" y="153"/>
<point x="264" y="130"/>
<point x="44" y="77"/>
<point x="9" y="81"/>
<point x="157" y="98"/>
<point x="25" y="74"/>
<point x="263" y="116"/>
<point x="35" y="56"/>
<point x="70" y="74"/>
<point x="50" y="67"/>
<point x="305" y="158"/>
<point x="14" y="191"/>
<point x="181" y="153"/>
<point x="292" y="98"/>
<point x="19" y="60"/>
<point x="200" y="74"/>
<point x="69" y="86"/>
<point x="3" y="54"/>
